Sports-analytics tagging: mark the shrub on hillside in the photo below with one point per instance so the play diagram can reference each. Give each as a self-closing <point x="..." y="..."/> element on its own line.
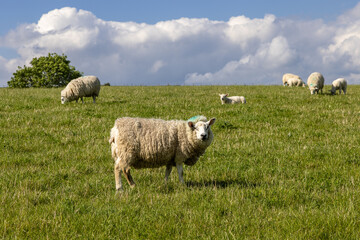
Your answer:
<point x="46" y="71"/>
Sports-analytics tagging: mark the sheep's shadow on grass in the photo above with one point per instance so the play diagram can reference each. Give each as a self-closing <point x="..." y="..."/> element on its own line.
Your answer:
<point x="221" y="184"/>
<point x="334" y="94"/>
<point x="226" y="125"/>
<point x="328" y="93"/>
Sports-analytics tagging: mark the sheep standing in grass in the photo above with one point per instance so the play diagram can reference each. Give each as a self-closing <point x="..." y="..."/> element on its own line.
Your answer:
<point x="152" y="143"/>
<point x="88" y="86"/>
<point x="339" y="84"/>
<point x="315" y="82"/>
<point x="287" y="76"/>
<point x="296" y="82"/>
<point x="231" y="100"/>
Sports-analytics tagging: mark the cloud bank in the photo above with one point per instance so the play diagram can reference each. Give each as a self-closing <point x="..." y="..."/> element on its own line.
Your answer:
<point x="191" y="51"/>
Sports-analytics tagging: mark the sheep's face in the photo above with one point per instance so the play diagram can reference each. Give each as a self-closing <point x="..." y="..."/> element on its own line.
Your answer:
<point x="313" y="88"/>
<point x="333" y="90"/>
<point x="63" y="99"/>
<point x="223" y="96"/>
<point x="202" y="129"/>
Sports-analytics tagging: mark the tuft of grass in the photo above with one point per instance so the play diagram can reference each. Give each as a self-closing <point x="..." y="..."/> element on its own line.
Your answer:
<point x="283" y="166"/>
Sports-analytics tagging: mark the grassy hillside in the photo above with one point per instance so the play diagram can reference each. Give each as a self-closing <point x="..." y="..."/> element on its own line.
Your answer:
<point x="286" y="165"/>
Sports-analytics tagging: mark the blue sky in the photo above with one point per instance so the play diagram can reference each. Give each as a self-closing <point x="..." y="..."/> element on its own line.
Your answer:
<point x="16" y="12"/>
<point x="185" y="42"/>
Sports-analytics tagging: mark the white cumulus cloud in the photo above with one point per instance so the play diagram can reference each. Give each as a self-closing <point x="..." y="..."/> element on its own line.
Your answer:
<point x="190" y="50"/>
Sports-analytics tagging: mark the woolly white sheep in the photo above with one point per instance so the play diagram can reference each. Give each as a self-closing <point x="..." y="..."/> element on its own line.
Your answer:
<point x="87" y="86"/>
<point x="231" y="100"/>
<point x="339" y="84"/>
<point x="315" y="82"/>
<point x="297" y="82"/>
<point x="287" y="76"/>
<point x="152" y="143"/>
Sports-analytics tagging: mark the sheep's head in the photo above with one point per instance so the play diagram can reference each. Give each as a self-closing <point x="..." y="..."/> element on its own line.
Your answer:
<point x="333" y="90"/>
<point x="64" y="99"/>
<point x="201" y="129"/>
<point x="313" y="88"/>
<point x="223" y="96"/>
<point x="65" y="96"/>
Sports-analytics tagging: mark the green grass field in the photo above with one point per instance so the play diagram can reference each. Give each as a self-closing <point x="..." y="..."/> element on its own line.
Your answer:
<point x="286" y="165"/>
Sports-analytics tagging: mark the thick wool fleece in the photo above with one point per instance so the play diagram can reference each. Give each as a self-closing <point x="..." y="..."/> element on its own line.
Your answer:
<point x="339" y="84"/>
<point x="233" y="100"/>
<point x="87" y="86"/>
<point x="287" y="76"/>
<point x="295" y="82"/>
<point x="315" y="82"/>
<point x="151" y="143"/>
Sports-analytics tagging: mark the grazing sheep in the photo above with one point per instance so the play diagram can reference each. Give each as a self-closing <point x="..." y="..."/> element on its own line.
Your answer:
<point x="287" y="76"/>
<point x="315" y="82"/>
<point x="339" y="84"/>
<point x="88" y="86"/>
<point x="296" y="82"/>
<point x="152" y="143"/>
<point x="231" y="100"/>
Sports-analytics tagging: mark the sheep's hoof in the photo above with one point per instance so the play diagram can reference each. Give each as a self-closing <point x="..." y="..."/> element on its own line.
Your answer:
<point x="132" y="185"/>
<point x="119" y="191"/>
<point x="183" y="186"/>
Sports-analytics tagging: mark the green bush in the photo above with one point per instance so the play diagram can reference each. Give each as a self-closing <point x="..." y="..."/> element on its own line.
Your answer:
<point x="46" y="71"/>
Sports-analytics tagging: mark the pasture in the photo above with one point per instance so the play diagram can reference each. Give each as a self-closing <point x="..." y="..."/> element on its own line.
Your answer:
<point x="286" y="165"/>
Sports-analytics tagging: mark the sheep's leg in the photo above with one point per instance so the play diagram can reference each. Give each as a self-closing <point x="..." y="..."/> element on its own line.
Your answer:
<point x="128" y="177"/>
<point x="82" y="100"/>
<point x="117" y="172"/>
<point x="167" y="172"/>
<point x="179" y="167"/>
<point x="94" y="97"/>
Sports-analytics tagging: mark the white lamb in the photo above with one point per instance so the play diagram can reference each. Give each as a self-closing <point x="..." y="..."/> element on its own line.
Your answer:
<point x="287" y="76"/>
<point x="315" y="82"/>
<point x="152" y="143"/>
<point x="88" y="86"/>
<point x="296" y="82"/>
<point x="231" y="100"/>
<point x="339" y="84"/>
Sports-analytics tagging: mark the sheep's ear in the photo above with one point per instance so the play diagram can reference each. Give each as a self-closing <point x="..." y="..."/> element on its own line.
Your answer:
<point x="191" y="125"/>
<point x="227" y="94"/>
<point x="212" y="121"/>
